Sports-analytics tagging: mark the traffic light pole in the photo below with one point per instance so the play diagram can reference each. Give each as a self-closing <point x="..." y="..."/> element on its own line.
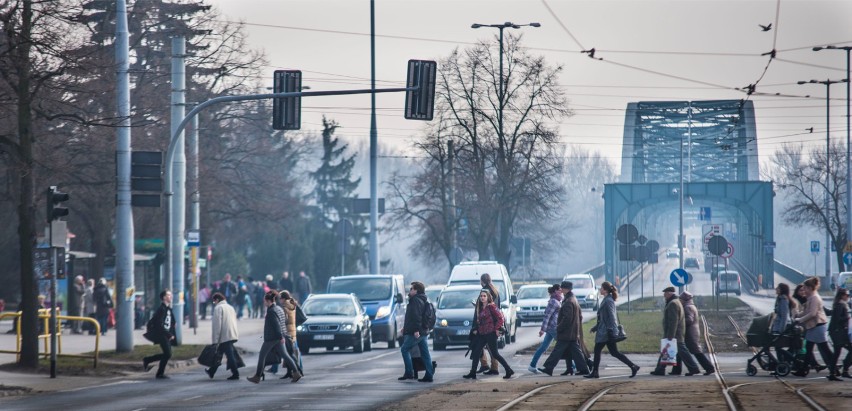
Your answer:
<point x="177" y="186"/>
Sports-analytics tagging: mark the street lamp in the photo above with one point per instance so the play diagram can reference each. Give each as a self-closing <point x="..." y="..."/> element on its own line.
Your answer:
<point x="827" y="84"/>
<point x="500" y="92"/>
<point x="848" y="143"/>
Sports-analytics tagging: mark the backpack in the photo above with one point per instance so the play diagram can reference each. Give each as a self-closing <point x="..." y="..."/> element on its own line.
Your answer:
<point x="429" y="316"/>
<point x="151" y="331"/>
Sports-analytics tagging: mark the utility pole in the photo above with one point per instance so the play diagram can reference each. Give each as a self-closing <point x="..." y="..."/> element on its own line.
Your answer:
<point x="194" y="217"/>
<point x="123" y="210"/>
<point x="177" y="210"/>
<point x="374" y="191"/>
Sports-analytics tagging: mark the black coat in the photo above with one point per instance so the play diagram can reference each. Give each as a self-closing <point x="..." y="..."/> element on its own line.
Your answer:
<point x="414" y="315"/>
<point x="303" y="286"/>
<point x="102" y="299"/>
<point x="164" y="324"/>
<point x="274" y="324"/>
<point x="286" y="284"/>
<point x="229" y="290"/>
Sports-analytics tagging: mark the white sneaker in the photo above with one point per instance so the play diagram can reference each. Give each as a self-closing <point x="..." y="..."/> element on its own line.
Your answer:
<point x="532" y="369"/>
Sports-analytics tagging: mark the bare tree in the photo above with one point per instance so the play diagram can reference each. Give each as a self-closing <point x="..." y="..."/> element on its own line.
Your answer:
<point x="802" y="177"/>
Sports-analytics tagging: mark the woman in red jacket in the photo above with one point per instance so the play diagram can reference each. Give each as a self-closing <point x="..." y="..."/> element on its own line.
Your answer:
<point x="488" y="325"/>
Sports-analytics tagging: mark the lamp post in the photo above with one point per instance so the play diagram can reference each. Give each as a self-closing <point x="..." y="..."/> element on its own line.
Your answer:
<point x="848" y="143"/>
<point x="827" y="83"/>
<point x="500" y="91"/>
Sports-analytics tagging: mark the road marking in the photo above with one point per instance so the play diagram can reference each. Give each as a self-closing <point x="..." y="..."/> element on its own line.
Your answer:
<point x="192" y="398"/>
<point x="367" y="359"/>
<point x="102" y="385"/>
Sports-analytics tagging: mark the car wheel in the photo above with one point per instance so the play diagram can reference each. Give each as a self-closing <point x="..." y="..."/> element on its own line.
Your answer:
<point x="359" y="343"/>
<point x="368" y="344"/>
<point x="439" y="347"/>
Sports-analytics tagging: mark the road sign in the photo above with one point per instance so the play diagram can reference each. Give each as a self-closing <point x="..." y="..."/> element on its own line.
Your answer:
<point x="717" y="245"/>
<point x="193" y="238"/>
<point x="704" y="214"/>
<point x="627" y="234"/>
<point x="847" y="258"/>
<point x="729" y="251"/>
<point x="679" y="277"/>
<point x="815" y="247"/>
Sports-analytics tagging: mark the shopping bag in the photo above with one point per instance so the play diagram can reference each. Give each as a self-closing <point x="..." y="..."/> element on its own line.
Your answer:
<point x="210" y="356"/>
<point x="668" y="351"/>
<point x="240" y="363"/>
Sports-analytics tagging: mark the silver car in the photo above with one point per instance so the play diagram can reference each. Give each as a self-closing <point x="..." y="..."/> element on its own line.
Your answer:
<point x="532" y="301"/>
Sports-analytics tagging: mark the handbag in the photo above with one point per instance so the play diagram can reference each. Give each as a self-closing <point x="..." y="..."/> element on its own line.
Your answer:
<point x="619" y="335"/>
<point x="300" y="316"/>
<point x="210" y="356"/>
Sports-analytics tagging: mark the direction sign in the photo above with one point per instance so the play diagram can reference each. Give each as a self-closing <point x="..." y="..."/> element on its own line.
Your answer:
<point x="847" y="258"/>
<point x="705" y="214"/>
<point x="815" y="247"/>
<point x="679" y="277"/>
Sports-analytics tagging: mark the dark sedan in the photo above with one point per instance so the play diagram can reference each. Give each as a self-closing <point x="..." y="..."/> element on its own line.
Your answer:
<point x="454" y="315"/>
<point x="334" y="320"/>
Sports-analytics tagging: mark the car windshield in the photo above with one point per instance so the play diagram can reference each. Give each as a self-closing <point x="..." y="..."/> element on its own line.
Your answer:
<point x="367" y="289"/>
<point x="501" y="287"/>
<point x="729" y="277"/>
<point x="432" y="295"/>
<point x="532" y="292"/>
<point x="581" y="283"/>
<point x="328" y="306"/>
<point x="457" y="299"/>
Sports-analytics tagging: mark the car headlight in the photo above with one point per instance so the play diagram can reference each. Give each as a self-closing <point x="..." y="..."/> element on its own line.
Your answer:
<point x="300" y="328"/>
<point x="383" y="312"/>
<point x="591" y="297"/>
<point x="347" y="327"/>
<point x="444" y="323"/>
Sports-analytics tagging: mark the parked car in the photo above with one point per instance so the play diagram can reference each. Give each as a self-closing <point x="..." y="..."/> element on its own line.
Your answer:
<point x="383" y="297"/>
<point x="844" y="280"/>
<point x="691" y="262"/>
<point x="454" y="315"/>
<point x="585" y="290"/>
<point x="334" y="320"/>
<point x="532" y="301"/>
<point x="469" y="272"/>
<point x="729" y="282"/>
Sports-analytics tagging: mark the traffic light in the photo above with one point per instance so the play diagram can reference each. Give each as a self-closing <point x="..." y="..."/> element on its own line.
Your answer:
<point x="54" y="197"/>
<point x="420" y="102"/>
<point x="287" y="112"/>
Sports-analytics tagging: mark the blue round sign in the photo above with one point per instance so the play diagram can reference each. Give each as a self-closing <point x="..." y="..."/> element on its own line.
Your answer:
<point x="679" y="277"/>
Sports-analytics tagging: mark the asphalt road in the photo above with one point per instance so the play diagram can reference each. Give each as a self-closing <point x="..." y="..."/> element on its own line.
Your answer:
<point x="337" y="380"/>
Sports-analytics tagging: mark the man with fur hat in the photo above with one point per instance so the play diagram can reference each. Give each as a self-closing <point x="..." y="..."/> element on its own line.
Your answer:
<point x="674" y="325"/>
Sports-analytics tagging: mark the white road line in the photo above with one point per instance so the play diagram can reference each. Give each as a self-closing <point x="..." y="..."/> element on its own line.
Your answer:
<point x="101" y="386"/>
<point x="192" y="398"/>
<point x="367" y="359"/>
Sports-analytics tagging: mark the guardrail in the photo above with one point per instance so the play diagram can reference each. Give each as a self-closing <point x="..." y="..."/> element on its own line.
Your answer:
<point x="44" y="314"/>
<point x="789" y="273"/>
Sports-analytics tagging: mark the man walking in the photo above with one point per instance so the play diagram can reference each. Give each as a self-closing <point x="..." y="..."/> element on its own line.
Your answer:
<point x="692" y="336"/>
<point x="569" y="327"/>
<point x="225" y="334"/>
<point x="228" y="289"/>
<point x="416" y="332"/>
<point x="285" y="283"/>
<point x="674" y="325"/>
<point x="163" y="333"/>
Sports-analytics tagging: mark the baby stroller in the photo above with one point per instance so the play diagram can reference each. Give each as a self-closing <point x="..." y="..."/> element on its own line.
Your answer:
<point x="789" y="343"/>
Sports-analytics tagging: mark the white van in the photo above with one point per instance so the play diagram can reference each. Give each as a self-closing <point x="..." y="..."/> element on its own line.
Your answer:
<point x="469" y="272"/>
<point x="585" y="290"/>
<point x="844" y="280"/>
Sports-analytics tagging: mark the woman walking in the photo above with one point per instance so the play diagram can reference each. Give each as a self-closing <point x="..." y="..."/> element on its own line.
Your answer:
<point x="548" y="325"/>
<point x="274" y="327"/>
<point x="288" y="304"/>
<point x="485" y="334"/>
<point x="785" y="308"/>
<point x="838" y="329"/>
<point x="606" y="331"/>
<point x="814" y="321"/>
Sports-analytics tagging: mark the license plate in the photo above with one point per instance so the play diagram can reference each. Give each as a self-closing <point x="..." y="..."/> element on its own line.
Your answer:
<point x="324" y="337"/>
<point x="463" y="332"/>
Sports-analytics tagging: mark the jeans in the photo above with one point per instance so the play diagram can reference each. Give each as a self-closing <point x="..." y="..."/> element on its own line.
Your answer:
<point x="163" y="358"/>
<point x="545" y="343"/>
<point x="480" y="343"/>
<point x="408" y="343"/>
<point x="102" y="320"/>
<point x="576" y="352"/>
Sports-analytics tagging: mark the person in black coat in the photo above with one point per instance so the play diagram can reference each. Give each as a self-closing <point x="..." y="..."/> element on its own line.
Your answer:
<point x="274" y="331"/>
<point x="229" y="289"/>
<point x="162" y="333"/>
<point x="303" y="286"/>
<point x="416" y="332"/>
<point x="838" y="329"/>
<point x="103" y="304"/>
<point x="285" y="283"/>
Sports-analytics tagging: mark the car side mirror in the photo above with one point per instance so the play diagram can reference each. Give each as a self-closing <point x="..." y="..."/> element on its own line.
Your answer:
<point x="398" y="298"/>
<point x="513" y="299"/>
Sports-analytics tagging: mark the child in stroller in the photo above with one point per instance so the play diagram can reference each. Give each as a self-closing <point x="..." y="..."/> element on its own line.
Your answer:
<point x="788" y="346"/>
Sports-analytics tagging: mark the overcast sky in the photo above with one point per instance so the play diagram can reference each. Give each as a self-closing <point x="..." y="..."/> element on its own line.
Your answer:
<point x="652" y="50"/>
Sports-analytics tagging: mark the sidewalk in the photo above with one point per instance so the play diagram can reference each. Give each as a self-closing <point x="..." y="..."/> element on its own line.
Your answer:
<point x="250" y="330"/>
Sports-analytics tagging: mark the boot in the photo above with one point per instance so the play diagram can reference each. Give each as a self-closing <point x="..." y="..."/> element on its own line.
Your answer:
<point x="593" y="374"/>
<point x="846" y="372"/>
<point x="470" y="376"/>
<point x="296" y="376"/>
<point x="633" y="370"/>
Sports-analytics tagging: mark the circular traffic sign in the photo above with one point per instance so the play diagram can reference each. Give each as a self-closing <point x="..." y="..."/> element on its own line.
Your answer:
<point x="627" y="234"/>
<point x="642" y="239"/>
<point x="643" y="253"/>
<point x="653" y="246"/>
<point x="729" y="251"/>
<point x="717" y="245"/>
